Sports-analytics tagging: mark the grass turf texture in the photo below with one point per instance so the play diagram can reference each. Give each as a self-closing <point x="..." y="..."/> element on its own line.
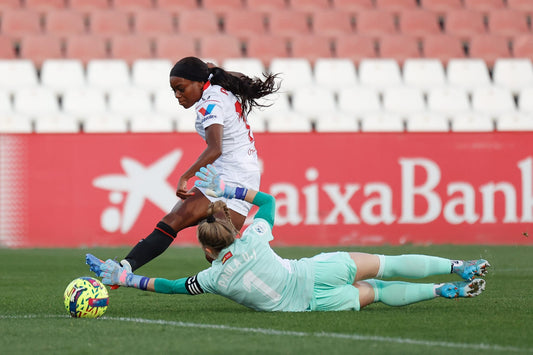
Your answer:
<point x="33" y="318"/>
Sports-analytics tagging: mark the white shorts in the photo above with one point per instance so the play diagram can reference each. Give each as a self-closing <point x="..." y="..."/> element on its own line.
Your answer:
<point x="247" y="179"/>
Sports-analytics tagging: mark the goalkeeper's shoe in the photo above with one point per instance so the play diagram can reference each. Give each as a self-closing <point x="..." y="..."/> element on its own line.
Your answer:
<point x="461" y="288"/>
<point x="468" y="270"/>
<point x="94" y="264"/>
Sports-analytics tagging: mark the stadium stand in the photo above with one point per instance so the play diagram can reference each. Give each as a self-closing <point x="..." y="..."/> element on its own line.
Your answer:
<point x="524" y="5"/>
<point x="131" y="47"/>
<point x="508" y="22"/>
<point x="197" y="22"/>
<point x="62" y="75"/>
<point x="175" y="6"/>
<point x="380" y="73"/>
<point x="18" y="73"/>
<point x="464" y="23"/>
<point x="355" y="47"/>
<point x="419" y="23"/>
<point x="424" y="74"/>
<point x="294" y="72"/>
<point x="403" y="100"/>
<point x="40" y="47"/>
<point x="484" y="5"/>
<point x="18" y="22"/>
<point x="86" y="47"/>
<point x="375" y="22"/>
<point x="64" y="22"/>
<point x="489" y="48"/>
<point x="472" y="122"/>
<point x="311" y="47"/>
<point x="358" y="101"/>
<point x="173" y="47"/>
<point x="353" y="5"/>
<point x="515" y="121"/>
<point x="427" y="122"/>
<point x="288" y="22"/>
<point x="398" y="47"/>
<point x="220" y="47"/>
<point x="468" y="73"/>
<point x="442" y="47"/>
<point x="109" y="22"/>
<point x="441" y="6"/>
<point x="89" y="5"/>
<point x="244" y="23"/>
<point x="382" y="122"/>
<point x="44" y="4"/>
<point x="396" y="5"/>
<point x="252" y="67"/>
<point x="513" y="74"/>
<point x="332" y="22"/>
<point x="334" y="73"/>
<point x="153" y="22"/>
<point x="151" y="74"/>
<point x="271" y="5"/>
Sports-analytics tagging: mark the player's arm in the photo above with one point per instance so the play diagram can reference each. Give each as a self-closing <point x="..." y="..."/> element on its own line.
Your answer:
<point x="210" y="179"/>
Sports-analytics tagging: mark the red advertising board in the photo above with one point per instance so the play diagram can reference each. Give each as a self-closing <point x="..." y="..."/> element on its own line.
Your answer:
<point x="69" y="190"/>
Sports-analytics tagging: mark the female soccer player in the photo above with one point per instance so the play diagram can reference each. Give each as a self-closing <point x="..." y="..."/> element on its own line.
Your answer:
<point x="249" y="272"/>
<point x="221" y="100"/>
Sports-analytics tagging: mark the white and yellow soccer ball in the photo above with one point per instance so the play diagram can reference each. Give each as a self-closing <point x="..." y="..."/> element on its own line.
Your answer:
<point x="86" y="297"/>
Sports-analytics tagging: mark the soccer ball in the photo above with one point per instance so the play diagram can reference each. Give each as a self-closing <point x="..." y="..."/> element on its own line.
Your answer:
<point x="86" y="297"/>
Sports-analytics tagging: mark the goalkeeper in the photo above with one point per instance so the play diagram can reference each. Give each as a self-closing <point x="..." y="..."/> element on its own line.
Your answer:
<point x="247" y="270"/>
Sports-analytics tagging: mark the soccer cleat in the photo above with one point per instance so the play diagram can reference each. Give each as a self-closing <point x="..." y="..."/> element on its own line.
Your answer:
<point x="468" y="270"/>
<point x="94" y="264"/>
<point x="461" y="288"/>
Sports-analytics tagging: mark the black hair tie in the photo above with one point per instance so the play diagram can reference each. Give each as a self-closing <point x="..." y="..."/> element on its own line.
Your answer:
<point x="210" y="219"/>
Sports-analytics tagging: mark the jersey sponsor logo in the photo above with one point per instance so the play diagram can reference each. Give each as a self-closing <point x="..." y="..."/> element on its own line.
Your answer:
<point x="226" y="257"/>
<point x="207" y="110"/>
<point x="260" y="228"/>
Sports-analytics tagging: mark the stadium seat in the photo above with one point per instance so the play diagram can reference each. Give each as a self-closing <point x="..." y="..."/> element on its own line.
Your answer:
<point x="105" y="123"/>
<point x="85" y="47"/>
<point x="130" y="47"/>
<point x="492" y="101"/>
<point x="448" y="101"/>
<point x="109" y="22"/>
<point x="38" y="48"/>
<point x="358" y="101"/>
<point x="151" y="74"/>
<point x="335" y="73"/>
<point x="5" y="102"/>
<point x="311" y="47"/>
<point x="525" y="100"/>
<point x="18" y="22"/>
<point x="89" y="5"/>
<point x="464" y="23"/>
<point x="403" y="100"/>
<point x="441" y="6"/>
<point x="271" y="5"/>
<point x="310" y="5"/>
<point x="295" y="73"/>
<point x="489" y="48"/>
<point x="185" y="123"/>
<point x="379" y="73"/>
<point x="375" y="22"/>
<point x="289" y="122"/>
<point x="266" y="48"/>
<point x="244" y="23"/>
<point x="313" y="101"/>
<point x="396" y="5"/>
<point x="335" y="122"/>
<point x="257" y="124"/>
<point x="224" y="6"/>
<point x="468" y="73"/>
<point x="398" y="47"/>
<point x="197" y="22"/>
<point x="484" y="5"/>
<point x="523" y="46"/>
<point x="513" y="74"/>
<point x="175" y="47"/>
<point x="442" y="47"/>
<point x="288" y="22"/>
<point x="165" y="103"/>
<point x="382" y="122"/>
<point x="84" y="102"/>
<point x="45" y="5"/>
<point x="427" y="122"/>
<point x="9" y="5"/>
<point x="107" y="74"/>
<point x="64" y="22"/>
<point x="251" y="67"/>
<point x="515" y="121"/>
<point x="508" y="22"/>
<point x="275" y="105"/>
<point x="525" y="5"/>
<point x="176" y="6"/>
<point x="472" y="122"/>
<point x="220" y="47"/>
<point x="61" y="75"/>
<point x="424" y="74"/>
<point x="15" y="123"/>
<point x="153" y="22"/>
<point x="355" y="47"/>
<point x="332" y="22"/>
<point x="17" y="73"/>
<point x="353" y="5"/>
<point x="419" y="23"/>
<point x="129" y="101"/>
<point x="151" y="123"/>
<point x="56" y="123"/>
<point x="7" y="48"/>
<point x="35" y="101"/>
<point x="130" y="5"/>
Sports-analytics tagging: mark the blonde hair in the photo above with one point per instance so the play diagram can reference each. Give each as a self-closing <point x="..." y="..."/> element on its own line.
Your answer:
<point x="217" y="233"/>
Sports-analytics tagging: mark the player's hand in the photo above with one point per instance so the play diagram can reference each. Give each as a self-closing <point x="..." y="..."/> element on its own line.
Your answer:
<point x="114" y="274"/>
<point x="214" y="185"/>
<point x="182" y="191"/>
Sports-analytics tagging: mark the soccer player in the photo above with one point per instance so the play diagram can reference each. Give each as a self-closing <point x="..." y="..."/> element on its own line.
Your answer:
<point x="249" y="272"/>
<point x="222" y="101"/>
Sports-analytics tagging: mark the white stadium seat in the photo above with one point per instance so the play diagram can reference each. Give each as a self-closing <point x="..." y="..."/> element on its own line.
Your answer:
<point x="62" y="75"/>
<point x="56" y="123"/>
<point x="513" y="74"/>
<point x="295" y="73"/>
<point x="468" y="74"/>
<point x="313" y="101"/>
<point x="382" y="122"/>
<point x="84" y="102"/>
<point x="17" y="73"/>
<point x="251" y="67"/>
<point x="472" y="122"/>
<point x="15" y="123"/>
<point x="403" y="100"/>
<point x="5" y="102"/>
<point x="108" y="73"/>
<point x="379" y="73"/>
<point x="448" y="100"/>
<point x="492" y="101"/>
<point x="516" y="121"/>
<point x="289" y="122"/>
<point x="151" y="122"/>
<point x="358" y="101"/>
<point x="165" y="103"/>
<point x="129" y="101"/>
<point x="424" y="74"/>
<point x="525" y="100"/>
<point x="278" y="105"/>
<point x="336" y="122"/>
<point x="35" y="101"/>
<point x="335" y="73"/>
<point x="151" y="74"/>
<point x="105" y="123"/>
<point x="427" y="122"/>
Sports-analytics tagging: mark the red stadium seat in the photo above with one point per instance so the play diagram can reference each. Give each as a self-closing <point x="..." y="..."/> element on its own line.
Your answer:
<point x="310" y="4"/>
<point x="130" y="5"/>
<point x="396" y="5"/>
<point x="489" y="48"/>
<point x="484" y="5"/>
<point x="419" y="22"/>
<point x="86" y="47"/>
<point x="523" y="47"/>
<point x="355" y="47"/>
<point x="311" y="47"/>
<point x="220" y="47"/>
<point x="153" y="22"/>
<point x="223" y="5"/>
<point x="441" y="6"/>
<point x="443" y="47"/>
<point x="38" y="48"/>
<point x="19" y="22"/>
<point x="375" y="22"/>
<point x="464" y="23"/>
<point x="130" y="47"/>
<point x="288" y="22"/>
<point x="173" y="5"/>
<point x="197" y="22"/>
<point x="175" y="47"/>
<point x="398" y="47"/>
<point x="7" y="50"/>
<point x="525" y="5"/>
<point x="244" y="23"/>
<point x="64" y="22"/>
<point x="332" y="22"/>
<point x="88" y="5"/>
<point x="44" y="4"/>
<point x="109" y="22"/>
<point x="353" y="5"/>
<point x="266" y="5"/>
<point x="9" y="5"/>
<point x="508" y="22"/>
<point x="266" y="48"/>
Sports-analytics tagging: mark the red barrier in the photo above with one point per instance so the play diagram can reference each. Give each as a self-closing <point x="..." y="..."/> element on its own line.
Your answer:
<point x="331" y="189"/>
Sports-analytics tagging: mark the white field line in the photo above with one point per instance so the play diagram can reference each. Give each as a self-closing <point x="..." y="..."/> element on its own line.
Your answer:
<point x="274" y="332"/>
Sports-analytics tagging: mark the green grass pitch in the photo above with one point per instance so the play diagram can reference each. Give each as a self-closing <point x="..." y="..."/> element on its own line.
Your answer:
<point x="34" y="320"/>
